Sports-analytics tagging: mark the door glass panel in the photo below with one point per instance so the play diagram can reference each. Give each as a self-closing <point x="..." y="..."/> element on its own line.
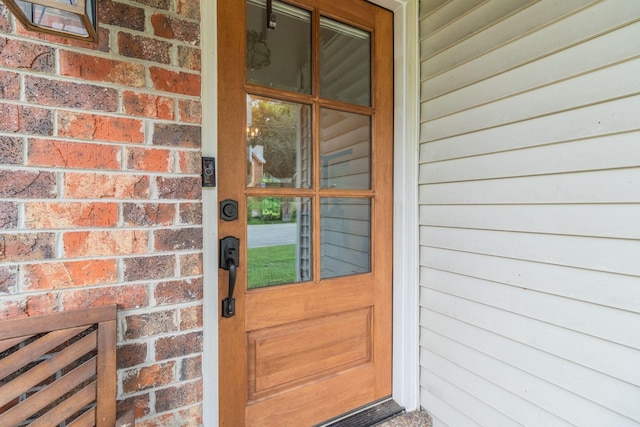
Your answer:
<point x="345" y="150"/>
<point x="279" y="58"/>
<point x="278" y="143"/>
<point x="345" y="237"/>
<point x="345" y="63"/>
<point x="278" y="241"/>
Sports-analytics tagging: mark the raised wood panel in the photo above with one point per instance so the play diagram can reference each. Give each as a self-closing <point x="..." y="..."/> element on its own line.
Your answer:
<point x="607" y="152"/>
<point x="566" y="405"/>
<point x="579" y="59"/>
<point x="441" y="370"/>
<point x="286" y="355"/>
<point x="592" y="88"/>
<point x="597" y="354"/>
<point x="470" y="20"/>
<point x="616" y="395"/>
<point x="603" y="322"/>
<point x="609" y="186"/>
<point x="553" y="34"/>
<point x="606" y="289"/>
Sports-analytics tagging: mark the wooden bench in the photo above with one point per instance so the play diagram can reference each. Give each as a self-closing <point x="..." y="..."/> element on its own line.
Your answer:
<point x="59" y="369"/>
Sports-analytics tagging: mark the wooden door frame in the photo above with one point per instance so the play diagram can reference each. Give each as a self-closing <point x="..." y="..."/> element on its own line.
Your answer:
<point x="405" y="246"/>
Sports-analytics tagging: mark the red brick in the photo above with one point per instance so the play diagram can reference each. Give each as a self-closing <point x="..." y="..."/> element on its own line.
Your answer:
<point x="191" y="317"/>
<point x="10" y="150"/>
<point x="121" y="15"/>
<point x="104" y="243"/>
<point x="176" y="292"/>
<point x="98" y="69"/>
<point x="5" y="23"/>
<point x="8" y="280"/>
<point x="9" y="85"/>
<point x="149" y="324"/>
<point x="23" y="119"/>
<point x="69" y="274"/>
<point x="190" y="111"/>
<point x="174" y="135"/>
<point x="191" y="213"/>
<point x="126" y="297"/>
<point x="175" y="397"/>
<point x="12" y="309"/>
<point x="48" y="215"/>
<point x="138" y="403"/>
<point x="191" y="368"/>
<point x="186" y="188"/>
<point x="70" y="94"/>
<point x="157" y="4"/>
<point x="190" y="265"/>
<point x="178" y="345"/>
<point x="175" y="29"/>
<point x="189" y="162"/>
<point x="27" y="185"/>
<point x="190" y="58"/>
<point x="148" y="377"/>
<point x="149" y="267"/>
<point x="28" y="246"/>
<point x="91" y="185"/>
<point x="44" y="152"/>
<point x="149" y="160"/>
<point x="41" y="304"/>
<point x="145" y="214"/>
<point x="20" y="54"/>
<point x="189" y="8"/>
<point x="147" y="105"/>
<point x="178" y="239"/>
<point x="8" y="215"/>
<point x="96" y="127"/>
<point x="129" y="355"/>
<point x="191" y="416"/>
<point x="175" y="81"/>
<point x="144" y="48"/>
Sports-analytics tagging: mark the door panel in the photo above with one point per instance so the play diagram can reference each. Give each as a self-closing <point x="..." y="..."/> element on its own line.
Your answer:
<point x="305" y="148"/>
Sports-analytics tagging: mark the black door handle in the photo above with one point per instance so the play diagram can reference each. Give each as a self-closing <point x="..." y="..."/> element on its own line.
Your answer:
<point x="229" y="260"/>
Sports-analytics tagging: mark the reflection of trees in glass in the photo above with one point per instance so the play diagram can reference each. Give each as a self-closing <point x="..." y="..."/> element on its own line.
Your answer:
<point x="278" y="133"/>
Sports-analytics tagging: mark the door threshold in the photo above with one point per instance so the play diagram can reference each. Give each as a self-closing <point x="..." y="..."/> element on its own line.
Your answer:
<point x="367" y="416"/>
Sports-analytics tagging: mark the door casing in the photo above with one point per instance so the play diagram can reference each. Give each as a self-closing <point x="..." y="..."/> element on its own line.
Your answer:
<point x="405" y="246"/>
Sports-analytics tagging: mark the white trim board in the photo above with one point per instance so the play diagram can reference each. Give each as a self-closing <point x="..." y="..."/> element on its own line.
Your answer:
<point x="405" y="246"/>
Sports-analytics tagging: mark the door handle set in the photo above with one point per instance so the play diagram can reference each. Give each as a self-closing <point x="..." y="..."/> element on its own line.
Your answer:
<point x="230" y="260"/>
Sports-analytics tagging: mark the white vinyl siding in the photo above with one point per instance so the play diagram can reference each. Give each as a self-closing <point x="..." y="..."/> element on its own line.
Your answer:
<point x="529" y="193"/>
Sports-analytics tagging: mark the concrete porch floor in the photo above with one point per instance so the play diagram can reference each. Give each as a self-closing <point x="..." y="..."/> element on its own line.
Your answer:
<point x="410" y="419"/>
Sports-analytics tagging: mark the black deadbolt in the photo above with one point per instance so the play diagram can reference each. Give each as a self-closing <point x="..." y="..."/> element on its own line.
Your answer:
<point x="228" y="210"/>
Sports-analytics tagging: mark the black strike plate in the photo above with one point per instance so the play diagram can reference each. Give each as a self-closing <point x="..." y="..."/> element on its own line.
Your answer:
<point x="208" y="171"/>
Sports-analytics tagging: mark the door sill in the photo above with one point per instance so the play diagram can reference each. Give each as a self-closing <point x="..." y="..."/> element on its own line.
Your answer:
<point x="367" y="416"/>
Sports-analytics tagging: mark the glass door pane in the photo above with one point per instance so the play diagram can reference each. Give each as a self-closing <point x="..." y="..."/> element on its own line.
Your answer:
<point x="279" y="58"/>
<point x="345" y="63"/>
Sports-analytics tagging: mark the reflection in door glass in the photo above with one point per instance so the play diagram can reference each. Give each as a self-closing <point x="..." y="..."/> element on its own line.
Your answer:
<point x="278" y="143"/>
<point x="345" y="150"/>
<point x="278" y="241"/>
<point x="345" y="237"/>
<point x="345" y="63"/>
<point x="279" y="58"/>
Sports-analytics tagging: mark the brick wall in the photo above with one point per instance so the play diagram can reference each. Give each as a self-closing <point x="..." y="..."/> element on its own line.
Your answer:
<point x="100" y="191"/>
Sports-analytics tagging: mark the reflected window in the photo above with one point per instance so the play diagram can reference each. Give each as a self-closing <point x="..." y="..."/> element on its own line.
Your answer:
<point x="345" y="63"/>
<point x="279" y="58"/>
<point x="278" y="241"/>
<point x="278" y="143"/>
<point x="345" y="150"/>
<point x="345" y="237"/>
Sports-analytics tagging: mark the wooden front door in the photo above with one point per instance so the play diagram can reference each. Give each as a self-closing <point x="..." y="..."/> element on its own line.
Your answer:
<point x="305" y="192"/>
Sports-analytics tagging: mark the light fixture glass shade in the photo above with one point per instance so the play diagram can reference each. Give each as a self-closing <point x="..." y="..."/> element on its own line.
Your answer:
<point x="68" y="18"/>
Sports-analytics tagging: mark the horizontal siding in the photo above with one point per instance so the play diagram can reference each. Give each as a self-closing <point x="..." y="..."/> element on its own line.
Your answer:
<point x="530" y="212"/>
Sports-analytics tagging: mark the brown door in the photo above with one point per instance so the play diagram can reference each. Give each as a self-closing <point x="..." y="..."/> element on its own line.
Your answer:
<point x="305" y="150"/>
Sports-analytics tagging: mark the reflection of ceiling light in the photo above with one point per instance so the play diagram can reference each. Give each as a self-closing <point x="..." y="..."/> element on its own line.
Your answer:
<point x="258" y="53"/>
<point x="68" y="18"/>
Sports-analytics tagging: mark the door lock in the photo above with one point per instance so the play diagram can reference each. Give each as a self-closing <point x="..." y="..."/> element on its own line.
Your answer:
<point x="229" y="260"/>
<point x="228" y="210"/>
